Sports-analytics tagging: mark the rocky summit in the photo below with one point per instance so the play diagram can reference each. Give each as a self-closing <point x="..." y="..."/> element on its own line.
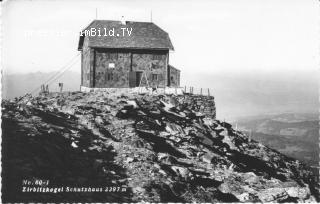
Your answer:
<point x="139" y="147"/>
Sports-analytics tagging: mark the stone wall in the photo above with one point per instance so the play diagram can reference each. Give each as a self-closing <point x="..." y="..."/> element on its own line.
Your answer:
<point x="176" y="96"/>
<point x="85" y="71"/>
<point x="109" y="76"/>
<point x="112" y="68"/>
<point x="198" y="103"/>
<point x="174" y="76"/>
<point x="151" y="64"/>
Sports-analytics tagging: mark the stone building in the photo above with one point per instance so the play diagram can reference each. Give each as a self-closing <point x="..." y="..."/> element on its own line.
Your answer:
<point x="122" y="54"/>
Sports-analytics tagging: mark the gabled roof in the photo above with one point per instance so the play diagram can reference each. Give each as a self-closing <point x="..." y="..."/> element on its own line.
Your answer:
<point x="144" y="35"/>
<point x="172" y="67"/>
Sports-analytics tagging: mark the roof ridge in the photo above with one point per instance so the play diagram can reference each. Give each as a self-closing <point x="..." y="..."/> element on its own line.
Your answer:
<point x="145" y="35"/>
<point x="126" y="21"/>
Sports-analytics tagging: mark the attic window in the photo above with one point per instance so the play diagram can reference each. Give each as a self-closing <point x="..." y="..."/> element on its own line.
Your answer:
<point x="111" y="66"/>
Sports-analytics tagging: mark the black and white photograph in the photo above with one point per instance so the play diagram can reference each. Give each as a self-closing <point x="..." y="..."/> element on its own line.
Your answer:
<point x="149" y="101"/>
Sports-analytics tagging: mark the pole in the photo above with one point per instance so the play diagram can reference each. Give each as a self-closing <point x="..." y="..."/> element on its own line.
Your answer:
<point x="61" y="86"/>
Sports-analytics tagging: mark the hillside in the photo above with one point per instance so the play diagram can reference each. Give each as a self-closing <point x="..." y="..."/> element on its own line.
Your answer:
<point x="296" y="135"/>
<point x="247" y="93"/>
<point x="159" y="148"/>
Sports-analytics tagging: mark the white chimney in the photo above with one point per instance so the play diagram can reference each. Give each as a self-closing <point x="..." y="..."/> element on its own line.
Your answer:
<point x="123" y="21"/>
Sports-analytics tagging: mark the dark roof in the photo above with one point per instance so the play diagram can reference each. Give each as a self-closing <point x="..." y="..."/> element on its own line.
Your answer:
<point x="144" y="35"/>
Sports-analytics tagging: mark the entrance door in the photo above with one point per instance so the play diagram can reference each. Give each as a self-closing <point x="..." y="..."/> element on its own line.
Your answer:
<point x="134" y="79"/>
<point x="138" y="78"/>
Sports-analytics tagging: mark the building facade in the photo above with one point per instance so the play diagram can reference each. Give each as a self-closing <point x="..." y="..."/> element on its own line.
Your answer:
<point x="126" y="54"/>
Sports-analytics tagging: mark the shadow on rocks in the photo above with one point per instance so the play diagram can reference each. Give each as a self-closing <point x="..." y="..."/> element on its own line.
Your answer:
<point x="31" y="152"/>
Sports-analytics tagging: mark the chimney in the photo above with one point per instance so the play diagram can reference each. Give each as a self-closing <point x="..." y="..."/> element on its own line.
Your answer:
<point x="123" y="21"/>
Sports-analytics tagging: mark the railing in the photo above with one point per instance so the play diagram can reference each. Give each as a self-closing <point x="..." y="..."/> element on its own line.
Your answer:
<point x="197" y="91"/>
<point x="159" y="90"/>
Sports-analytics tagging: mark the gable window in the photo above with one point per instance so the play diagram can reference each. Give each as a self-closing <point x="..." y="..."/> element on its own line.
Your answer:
<point x="154" y="77"/>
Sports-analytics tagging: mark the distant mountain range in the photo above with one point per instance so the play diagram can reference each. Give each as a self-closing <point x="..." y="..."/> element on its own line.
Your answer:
<point x="15" y="85"/>
<point x="249" y="93"/>
<point x="296" y="135"/>
<point x="240" y="93"/>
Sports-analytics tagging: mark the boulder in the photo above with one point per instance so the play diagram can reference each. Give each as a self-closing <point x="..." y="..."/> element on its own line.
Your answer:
<point x="181" y="171"/>
<point x="273" y="195"/>
<point x="298" y="192"/>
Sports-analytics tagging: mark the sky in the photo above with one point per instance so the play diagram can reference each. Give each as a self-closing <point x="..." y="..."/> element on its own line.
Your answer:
<point x="257" y="56"/>
<point x="209" y="36"/>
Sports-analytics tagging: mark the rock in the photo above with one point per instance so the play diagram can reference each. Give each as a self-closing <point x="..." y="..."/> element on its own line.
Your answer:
<point x="129" y="160"/>
<point x="198" y="114"/>
<point x="167" y="106"/>
<point x="173" y="128"/>
<point x="99" y="120"/>
<point x="164" y="148"/>
<point x="133" y="104"/>
<point x="207" y="158"/>
<point x="208" y="121"/>
<point x="273" y="195"/>
<point x="183" y="172"/>
<point x="138" y="190"/>
<point x="243" y="197"/>
<point x="227" y="140"/>
<point x="298" y="192"/>
<point x="162" y="172"/>
<point x="161" y="156"/>
<point x="226" y="125"/>
<point x="250" y="178"/>
<point x="223" y="132"/>
<point x="74" y="145"/>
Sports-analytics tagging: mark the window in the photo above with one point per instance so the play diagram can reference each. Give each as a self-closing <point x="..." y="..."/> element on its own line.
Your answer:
<point x="156" y="57"/>
<point x="111" y="65"/>
<point x="154" y="77"/>
<point x="112" y="56"/>
<point x="109" y="76"/>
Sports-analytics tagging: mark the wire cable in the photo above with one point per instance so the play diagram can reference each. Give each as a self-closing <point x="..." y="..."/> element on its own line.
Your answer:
<point x="55" y="75"/>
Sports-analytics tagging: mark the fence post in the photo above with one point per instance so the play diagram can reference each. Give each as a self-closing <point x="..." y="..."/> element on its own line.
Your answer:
<point x="185" y="89"/>
<point x="208" y="92"/>
<point x="201" y="92"/>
